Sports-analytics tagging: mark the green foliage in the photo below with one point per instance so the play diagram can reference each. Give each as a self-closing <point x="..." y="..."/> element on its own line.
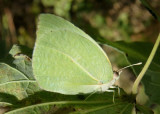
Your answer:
<point x="20" y="91"/>
<point x="106" y="19"/>
<point x="61" y="7"/>
<point x="135" y="53"/>
<point x="16" y="77"/>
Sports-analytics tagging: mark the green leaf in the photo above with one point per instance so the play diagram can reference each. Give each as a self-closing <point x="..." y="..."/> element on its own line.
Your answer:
<point x="16" y="78"/>
<point x="144" y="109"/>
<point x="40" y="98"/>
<point x="52" y="107"/>
<point x="139" y="52"/>
<point x="7" y="99"/>
<point x="19" y="49"/>
<point x="15" y="82"/>
<point x="96" y="107"/>
<point x="58" y="103"/>
<point x="122" y="108"/>
<point x="68" y="61"/>
<point x="5" y="104"/>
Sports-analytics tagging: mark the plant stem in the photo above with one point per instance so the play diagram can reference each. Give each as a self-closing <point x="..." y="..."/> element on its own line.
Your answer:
<point x="140" y="76"/>
<point x="151" y="9"/>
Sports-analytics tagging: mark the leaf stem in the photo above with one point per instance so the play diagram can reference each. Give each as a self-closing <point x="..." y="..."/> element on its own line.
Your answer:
<point x="140" y="76"/>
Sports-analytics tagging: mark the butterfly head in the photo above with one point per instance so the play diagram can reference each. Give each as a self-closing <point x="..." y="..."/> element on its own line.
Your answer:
<point x="116" y="74"/>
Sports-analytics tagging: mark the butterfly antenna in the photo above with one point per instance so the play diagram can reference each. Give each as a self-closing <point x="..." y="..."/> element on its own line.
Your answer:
<point x="120" y="70"/>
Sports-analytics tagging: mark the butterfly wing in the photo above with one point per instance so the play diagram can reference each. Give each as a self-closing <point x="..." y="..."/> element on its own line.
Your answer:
<point x="66" y="60"/>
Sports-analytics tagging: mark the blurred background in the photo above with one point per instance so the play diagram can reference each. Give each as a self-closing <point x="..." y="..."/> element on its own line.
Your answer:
<point x="114" y="20"/>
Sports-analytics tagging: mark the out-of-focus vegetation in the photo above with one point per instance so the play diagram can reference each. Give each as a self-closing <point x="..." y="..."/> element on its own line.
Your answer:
<point x="111" y="19"/>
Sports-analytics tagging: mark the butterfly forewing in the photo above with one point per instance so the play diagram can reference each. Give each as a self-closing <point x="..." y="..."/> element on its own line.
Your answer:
<point x="66" y="60"/>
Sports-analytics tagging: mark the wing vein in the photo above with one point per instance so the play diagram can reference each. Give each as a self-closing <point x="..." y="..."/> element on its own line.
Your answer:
<point x="74" y="61"/>
<point x="88" y="38"/>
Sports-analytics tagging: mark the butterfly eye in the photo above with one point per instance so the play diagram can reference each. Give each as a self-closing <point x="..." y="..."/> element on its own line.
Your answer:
<point x="116" y="74"/>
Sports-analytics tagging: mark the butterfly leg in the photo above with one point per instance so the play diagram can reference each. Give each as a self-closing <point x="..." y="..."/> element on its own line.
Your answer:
<point x="113" y="94"/>
<point x="91" y="94"/>
<point x="119" y="91"/>
<point x="117" y="88"/>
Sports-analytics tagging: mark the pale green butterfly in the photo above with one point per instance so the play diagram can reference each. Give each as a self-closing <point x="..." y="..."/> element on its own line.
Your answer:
<point x="68" y="61"/>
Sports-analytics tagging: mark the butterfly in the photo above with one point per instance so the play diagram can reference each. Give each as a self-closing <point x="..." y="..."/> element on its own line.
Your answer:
<point x="66" y="60"/>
